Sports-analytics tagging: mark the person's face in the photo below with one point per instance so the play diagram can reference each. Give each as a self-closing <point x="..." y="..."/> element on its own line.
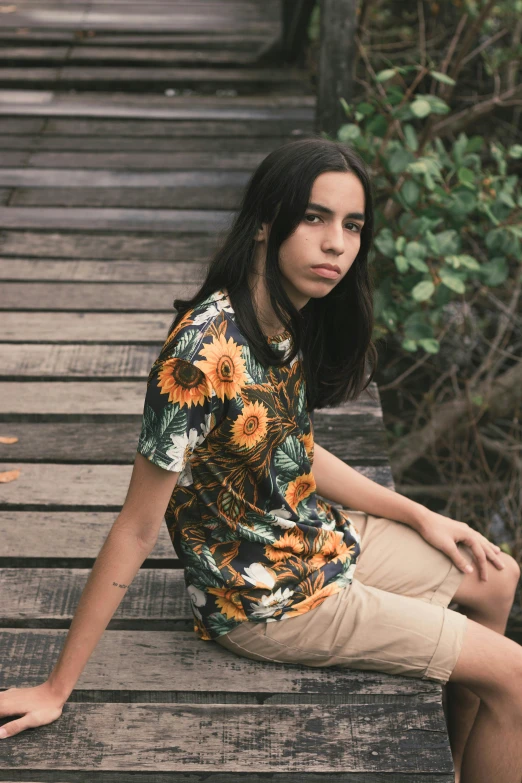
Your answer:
<point x="322" y="237"/>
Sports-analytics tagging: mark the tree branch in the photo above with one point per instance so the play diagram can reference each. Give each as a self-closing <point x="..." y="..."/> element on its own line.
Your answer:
<point x="502" y="398"/>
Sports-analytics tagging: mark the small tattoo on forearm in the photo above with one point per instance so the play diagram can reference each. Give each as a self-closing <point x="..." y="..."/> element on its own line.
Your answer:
<point x="117" y="585"/>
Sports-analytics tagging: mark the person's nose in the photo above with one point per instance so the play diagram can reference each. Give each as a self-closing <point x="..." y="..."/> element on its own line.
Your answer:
<point x="334" y="239"/>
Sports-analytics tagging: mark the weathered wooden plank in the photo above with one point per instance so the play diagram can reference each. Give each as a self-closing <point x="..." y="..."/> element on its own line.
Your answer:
<point x="74" y="361"/>
<point x="69" y="398"/>
<point x="107" y="245"/>
<point x="238" y="738"/>
<point x="157" y="18"/>
<point x="253" y="777"/>
<point x="21" y="125"/>
<point x="53" y="594"/>
<point x="170" y="129"/>
<point x="258" y="79"/>
<point x="85" y="270"/>
<point x="67" y="536"/>
<point x="126" y="54"/>
<point x="92" y="487"/>
<point x="113" y="441"/>
<point x="131" y="161"/>
<point x="182" y="664"/>
<point x="207" y="107"/>
<point x="94" y="296"/>
<point x="191" y="197"/>
<point x="242" y="41"/>
<point x="14" y="158"/>
<point x="4" y="195"/>
<point x="148" y="143"/>
<point x="186" y="220"/>
<point x="125" y="398"/>
<point x="136" y="328"/>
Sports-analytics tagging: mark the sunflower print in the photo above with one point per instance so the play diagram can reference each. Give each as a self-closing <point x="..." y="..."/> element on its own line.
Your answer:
<point x="255" y="542"/>
<point x="251" y="425"/>
<point x="224" y="366"/>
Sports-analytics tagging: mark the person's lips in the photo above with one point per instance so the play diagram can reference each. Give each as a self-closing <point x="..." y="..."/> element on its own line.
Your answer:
<point x="327" y="270"/>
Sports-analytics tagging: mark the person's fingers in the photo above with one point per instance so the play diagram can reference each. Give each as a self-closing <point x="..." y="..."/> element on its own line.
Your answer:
<point x="459" y="559"/>
<point x="480" y="557"/>
<point x="15" y="727"/>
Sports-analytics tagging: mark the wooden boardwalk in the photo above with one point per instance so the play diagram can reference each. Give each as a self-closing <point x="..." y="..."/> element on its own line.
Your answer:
<point x="127" y="132"/>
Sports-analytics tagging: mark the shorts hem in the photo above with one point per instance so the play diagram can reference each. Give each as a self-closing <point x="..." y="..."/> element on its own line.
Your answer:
<point x="448" y="646"/>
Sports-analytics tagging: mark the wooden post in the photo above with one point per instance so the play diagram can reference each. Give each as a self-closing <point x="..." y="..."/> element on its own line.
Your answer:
<point x="335" y="77"/>
<point x="296" y="16"/>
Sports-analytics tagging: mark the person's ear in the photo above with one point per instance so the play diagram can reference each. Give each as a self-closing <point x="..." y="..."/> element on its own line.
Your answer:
<point x="261" y="233"/>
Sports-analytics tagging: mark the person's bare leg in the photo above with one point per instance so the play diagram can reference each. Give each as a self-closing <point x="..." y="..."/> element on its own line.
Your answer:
<point x="463" y="704"/>
<point x="490" y="665"/>
<point x="492" y="602"/>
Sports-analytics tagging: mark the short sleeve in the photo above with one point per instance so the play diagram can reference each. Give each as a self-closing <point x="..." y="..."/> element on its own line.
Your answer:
<point x="181" y="407"/>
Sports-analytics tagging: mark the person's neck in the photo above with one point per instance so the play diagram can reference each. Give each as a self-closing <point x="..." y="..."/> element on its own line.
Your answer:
<point x="268" y="321"/>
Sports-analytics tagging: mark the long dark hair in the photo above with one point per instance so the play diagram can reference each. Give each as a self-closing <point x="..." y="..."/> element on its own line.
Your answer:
<point x="334" y="331"/>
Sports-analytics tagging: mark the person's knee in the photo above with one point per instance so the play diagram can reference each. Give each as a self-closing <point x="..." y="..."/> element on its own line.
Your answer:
<point x="505" y="582"/>
<point x="490" y="665"/>
<point x="494" y="597"/>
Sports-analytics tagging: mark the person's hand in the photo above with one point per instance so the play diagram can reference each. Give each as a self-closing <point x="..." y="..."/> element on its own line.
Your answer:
<point x="444" y="533"/>
<point x="37" y="706"/>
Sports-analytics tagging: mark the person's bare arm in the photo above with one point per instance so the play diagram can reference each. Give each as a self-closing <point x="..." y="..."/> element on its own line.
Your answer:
<point x="342" y="484"/>
<point x="129" y="542"/>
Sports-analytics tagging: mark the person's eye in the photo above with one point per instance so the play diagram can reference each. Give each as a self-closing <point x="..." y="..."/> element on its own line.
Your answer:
<point x="312" y="216"/>
<point x="357" y="226"/>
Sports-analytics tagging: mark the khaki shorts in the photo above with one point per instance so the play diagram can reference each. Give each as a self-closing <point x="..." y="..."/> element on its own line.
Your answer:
<point x="392" y="618"/>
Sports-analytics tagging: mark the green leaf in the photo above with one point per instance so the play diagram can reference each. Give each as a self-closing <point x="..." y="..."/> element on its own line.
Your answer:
<point x="410" y="192"/>
<point x="411" y="137"/>
<point x="415" y="250"/>
<point x="377" y="125"/>
<point x="399" y="159"/>
<point x="389" y="316"/>
<point x="464" y="201"/>
<point x="497" y="240"/>
<point x="515" y="151"/>
<point x="401" y="262"/>
<point x="494" y="272"/>
<point x="419" y="264"/>
<point x="348" y="132"/>
<point x="507" y="199"/>
<point x="420" y="107"/>
<point x="416" y="328"/>
<point x="365" y="108"/>
<point x="409" y="345"/>
<point x="452" y="281"/>
<point x="475" y="144"/>
<point x="384" y="242"/>
<point x="448" y="242"/>
<point x="346" y="107"/>
<point x="438" y="106"/>
<point x="430" y="345"/>
<point x="383" y="76"/>
<point x="400" y="243"/>
<point x="442" y="77"/>
<point x="423" y="291"/>
<point x="463" y="260"/>
<point x="466" y="176"/>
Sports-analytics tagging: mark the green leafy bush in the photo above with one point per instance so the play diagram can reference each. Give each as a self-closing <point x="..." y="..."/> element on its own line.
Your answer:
<point x="449" y="215"/>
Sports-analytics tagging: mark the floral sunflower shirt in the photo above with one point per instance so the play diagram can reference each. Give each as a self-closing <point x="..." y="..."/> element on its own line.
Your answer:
<point x="255" y="541"/>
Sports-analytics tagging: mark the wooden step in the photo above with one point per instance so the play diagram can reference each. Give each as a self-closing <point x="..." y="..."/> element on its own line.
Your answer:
<point x="199" y="81"/>
<point x="92" y="487"/>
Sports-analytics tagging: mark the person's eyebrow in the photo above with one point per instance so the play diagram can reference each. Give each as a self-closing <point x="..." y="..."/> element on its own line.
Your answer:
<point x="328" y="211"/>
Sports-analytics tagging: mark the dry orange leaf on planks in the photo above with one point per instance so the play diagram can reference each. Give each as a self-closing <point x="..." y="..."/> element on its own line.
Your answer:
<point x="9" y="475"/>
<point x="8" y="439"/>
